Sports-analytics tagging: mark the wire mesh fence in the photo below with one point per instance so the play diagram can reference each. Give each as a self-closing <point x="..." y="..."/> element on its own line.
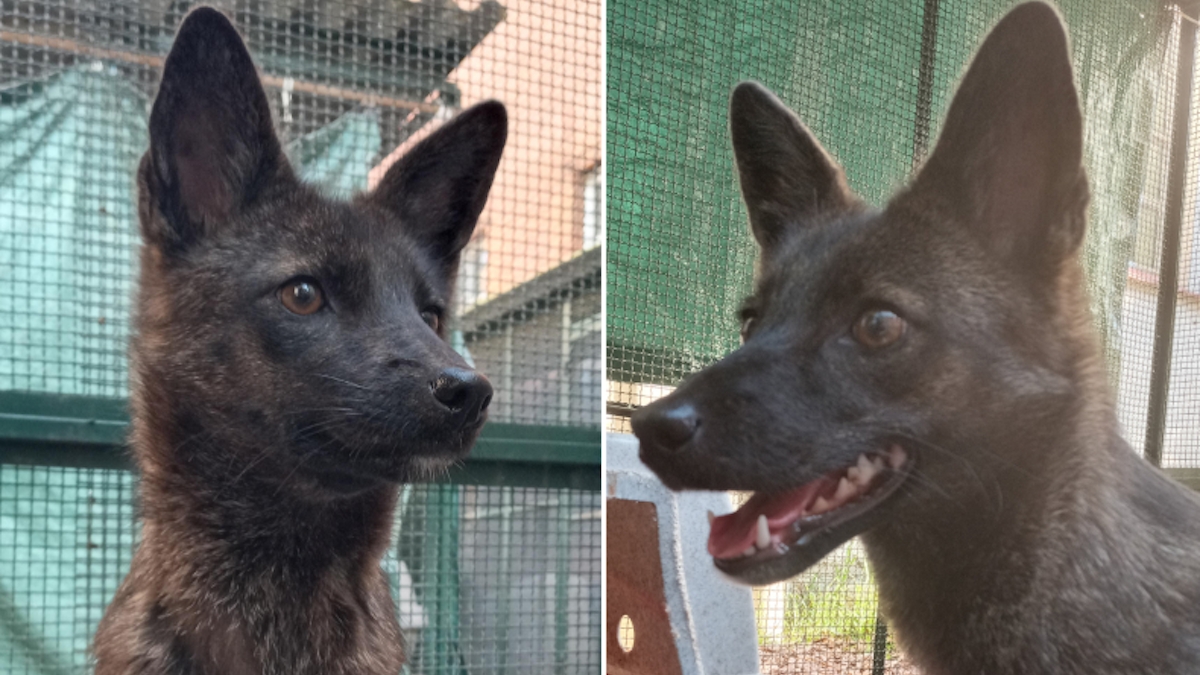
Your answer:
<point x="1174" y="280"/>
<point x="488" y="578"/>
<point x="485" y="579"/>
<point x="872" y="80"/>
<point x="352" y="86"/>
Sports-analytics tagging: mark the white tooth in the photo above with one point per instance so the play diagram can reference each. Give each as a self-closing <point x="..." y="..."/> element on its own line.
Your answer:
<point x="820" y="506"/>
<point x="878" y="462"/>
<point x="863" y="464"/>
<point x="866" y="470"/>
<point x="749" y="552"/>
<point x="711" y="517"/>
<point x="896" y="456"/>
<point x="762" y="537"/>
<point x="844" y="491"/>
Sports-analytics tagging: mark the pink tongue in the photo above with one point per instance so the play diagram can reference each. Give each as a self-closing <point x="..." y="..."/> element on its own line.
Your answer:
<point x="732" y="534"/>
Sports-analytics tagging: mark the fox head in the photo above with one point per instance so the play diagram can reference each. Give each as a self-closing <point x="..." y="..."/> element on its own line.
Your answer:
<point x="303" y="335"/>
<point x="887" y="352"/>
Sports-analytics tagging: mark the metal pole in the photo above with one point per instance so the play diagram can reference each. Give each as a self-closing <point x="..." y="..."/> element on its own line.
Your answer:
<point x="921" y="123"/>
<point x="564" y="364"/>
<point x="925" y="73"/>
<point x="1168" y="265"/>
<point x="560" y="527"/>
<point x="506" y="585"/>
<point x="879" y="650"/>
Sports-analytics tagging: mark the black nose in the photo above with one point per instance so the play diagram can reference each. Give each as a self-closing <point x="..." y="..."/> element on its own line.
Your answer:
<point x="666" y="428"/>
<point x="465" y="393"/>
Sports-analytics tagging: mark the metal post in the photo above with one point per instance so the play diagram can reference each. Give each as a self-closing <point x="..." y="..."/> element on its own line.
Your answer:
<point x="1168" y="265"/>
<point x="561" y="533"/>
<point x="879" y="647"/>
<point x="921" y="123"/>
<point x="925" y="72"/>
<point x="506" y="584"/>
<point x="506" y="374"/>
<point x="564" y="364"/>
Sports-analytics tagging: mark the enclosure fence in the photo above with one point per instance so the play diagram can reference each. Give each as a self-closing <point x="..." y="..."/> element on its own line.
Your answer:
<point x="873" y="81"/>
<point x="494" y="570"/>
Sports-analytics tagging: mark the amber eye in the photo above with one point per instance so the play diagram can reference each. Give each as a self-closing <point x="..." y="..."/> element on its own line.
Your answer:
<point x="879" y="328"/>
<point x="302" y="296"/>
<point x="433" y="317"/>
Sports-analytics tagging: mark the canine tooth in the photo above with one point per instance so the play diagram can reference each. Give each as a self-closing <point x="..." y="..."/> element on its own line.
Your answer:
<point x="866" y="470"/>
<point x="711" y="517"/>
<point x="762" y="537"/>
<point x="896" y="456"/>
<point x="820" y="506"/>
<point x="877" y="462"/>
<point x="749" y="552"/>
<point x="854" y="475"/>
<point x="844" y="491"/>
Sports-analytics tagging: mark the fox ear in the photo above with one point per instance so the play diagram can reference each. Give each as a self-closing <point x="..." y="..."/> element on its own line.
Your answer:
<point x="439" y="187"/>
<point x="1009" y="162"/>
<point x="212" y="147"/>
<point x="786" y="176"/>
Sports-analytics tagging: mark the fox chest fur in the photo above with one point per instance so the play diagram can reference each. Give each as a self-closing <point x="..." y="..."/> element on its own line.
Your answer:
<point x="339" y="619"/>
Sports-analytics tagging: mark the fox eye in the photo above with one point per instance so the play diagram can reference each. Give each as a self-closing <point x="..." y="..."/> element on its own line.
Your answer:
<point x="433" y="317"/>
<point x="302" y="296"/>
<point x="879" y="328"/>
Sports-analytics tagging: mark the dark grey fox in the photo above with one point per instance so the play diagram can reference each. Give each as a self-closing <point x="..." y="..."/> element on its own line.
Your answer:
<point x="289" y="369"/>
<point x="927" y="376"/>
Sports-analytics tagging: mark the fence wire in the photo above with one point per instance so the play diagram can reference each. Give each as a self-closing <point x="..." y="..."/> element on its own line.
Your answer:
<point x="485" y="579"/>
<point x="873" y="81"/>
<point x="488" y="579"/>
<point x="352" y="86"/>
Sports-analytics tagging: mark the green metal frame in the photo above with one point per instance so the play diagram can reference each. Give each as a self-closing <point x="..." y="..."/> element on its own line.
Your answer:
<point x="83" y="431"/>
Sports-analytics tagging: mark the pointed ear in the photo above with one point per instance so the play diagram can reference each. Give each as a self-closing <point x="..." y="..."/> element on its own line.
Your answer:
<point x="786" y="176"/>
<point x="212" y="147"/>
<point x="439" y="187"/>
<point x="1009" y="162"/>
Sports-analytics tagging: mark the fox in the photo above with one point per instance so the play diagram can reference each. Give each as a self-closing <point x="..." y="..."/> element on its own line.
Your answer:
<point x="926" y="376"/>
<point x="289" y="370"/>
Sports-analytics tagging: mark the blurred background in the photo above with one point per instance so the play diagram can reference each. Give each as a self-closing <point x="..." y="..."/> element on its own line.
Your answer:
<point x="497" y="568"/>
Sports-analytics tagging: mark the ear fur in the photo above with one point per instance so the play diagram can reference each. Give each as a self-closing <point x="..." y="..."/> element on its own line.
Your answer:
<point x="440" y="186"/>
<point x="786" y="176"/>
<point x="1009" y="162"/>
<point x="212" y="147"/>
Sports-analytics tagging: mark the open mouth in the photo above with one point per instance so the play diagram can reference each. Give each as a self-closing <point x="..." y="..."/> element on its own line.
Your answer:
<point x="777" y="536"/>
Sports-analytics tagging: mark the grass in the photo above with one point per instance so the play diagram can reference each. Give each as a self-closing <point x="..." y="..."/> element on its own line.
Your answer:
<point x="835" y="599"/>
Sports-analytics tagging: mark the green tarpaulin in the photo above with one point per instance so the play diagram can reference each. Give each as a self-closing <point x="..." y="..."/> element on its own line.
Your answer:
<point x="680" y="256"/>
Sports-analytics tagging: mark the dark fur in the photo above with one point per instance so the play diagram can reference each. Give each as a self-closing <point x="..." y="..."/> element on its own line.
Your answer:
<point x="270" y="443"/>
<point x="1031" y="538"/>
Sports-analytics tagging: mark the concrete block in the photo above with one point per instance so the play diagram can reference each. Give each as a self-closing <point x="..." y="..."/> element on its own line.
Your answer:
<point x="709" y="618"/>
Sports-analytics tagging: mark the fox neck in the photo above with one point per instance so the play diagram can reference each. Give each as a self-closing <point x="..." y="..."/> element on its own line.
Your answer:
<point x="235" y="521"/>
<point x="956" y="571"/>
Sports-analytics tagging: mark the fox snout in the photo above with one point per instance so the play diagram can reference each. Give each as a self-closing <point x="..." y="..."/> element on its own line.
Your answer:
<point x="464" y="394"/>
<point x="666" y="425"/>
<point x="685" y="452"/>
<point x="748" y="422"/>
